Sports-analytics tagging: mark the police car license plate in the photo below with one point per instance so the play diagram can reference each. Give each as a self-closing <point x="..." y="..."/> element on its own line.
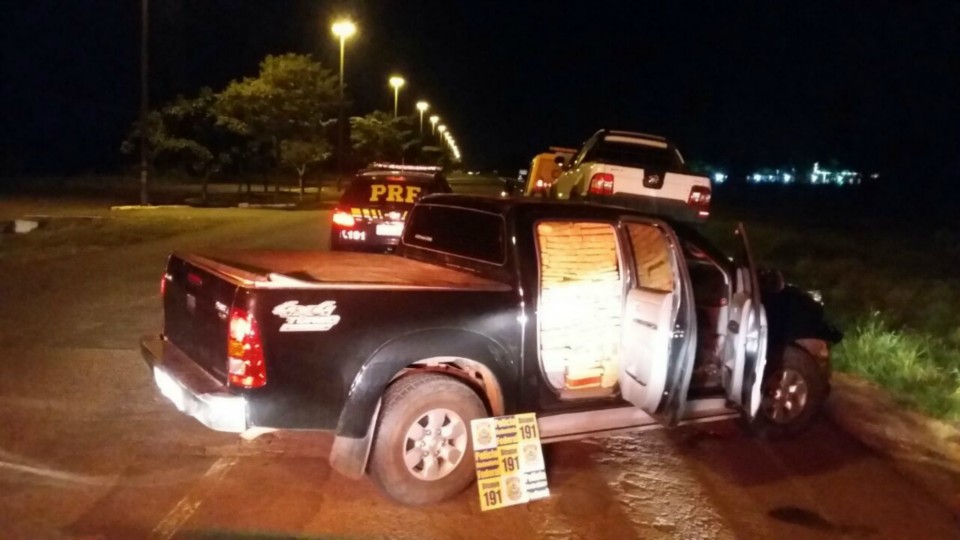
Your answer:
<point x="390" y="229"/>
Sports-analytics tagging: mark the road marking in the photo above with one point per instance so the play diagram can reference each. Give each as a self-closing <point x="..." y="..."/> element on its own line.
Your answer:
<point x="190" y="502"/>
<point x="59" y="475"/>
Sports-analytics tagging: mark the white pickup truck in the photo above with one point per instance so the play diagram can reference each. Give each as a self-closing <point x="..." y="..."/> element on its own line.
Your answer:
<point x="637" y="170"/>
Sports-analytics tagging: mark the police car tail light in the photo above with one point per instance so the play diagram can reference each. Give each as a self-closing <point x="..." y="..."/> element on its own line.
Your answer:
<point x="343" y="218"/>
<point x="700" y="200"/>
<point x="245" y="365"/>
<point x="601" y="184"/>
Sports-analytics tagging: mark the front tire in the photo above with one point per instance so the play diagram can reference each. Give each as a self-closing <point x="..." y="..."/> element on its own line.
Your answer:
<point x="793" y="396"/>
<point x="422" y="453"/>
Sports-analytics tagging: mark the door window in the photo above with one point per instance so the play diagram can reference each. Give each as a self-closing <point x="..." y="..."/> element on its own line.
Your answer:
<point x="653" y="257"/>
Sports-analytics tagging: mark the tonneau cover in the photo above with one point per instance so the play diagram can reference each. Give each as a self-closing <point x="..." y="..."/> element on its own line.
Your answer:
<point x="278" y="269"/>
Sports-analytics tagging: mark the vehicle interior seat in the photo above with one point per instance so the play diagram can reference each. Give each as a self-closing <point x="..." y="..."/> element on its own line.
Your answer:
<point x="710" y="292"/>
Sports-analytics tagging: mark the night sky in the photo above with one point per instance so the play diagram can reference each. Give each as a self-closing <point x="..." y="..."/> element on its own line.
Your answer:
<point x="872" y="84"/>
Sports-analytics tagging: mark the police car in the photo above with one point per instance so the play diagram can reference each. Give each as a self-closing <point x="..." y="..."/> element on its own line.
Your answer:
<point x="372" y="209"/>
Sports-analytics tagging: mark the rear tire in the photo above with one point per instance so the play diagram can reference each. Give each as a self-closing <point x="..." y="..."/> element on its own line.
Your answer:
<point x="422" y="453"/>
<point x="793" y="396"/>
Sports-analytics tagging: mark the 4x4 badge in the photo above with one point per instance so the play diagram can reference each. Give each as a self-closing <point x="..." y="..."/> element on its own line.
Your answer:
<point x="308" y="317"/>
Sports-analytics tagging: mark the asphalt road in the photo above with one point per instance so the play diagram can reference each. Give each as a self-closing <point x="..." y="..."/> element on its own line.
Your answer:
<point x="88" y="449"/>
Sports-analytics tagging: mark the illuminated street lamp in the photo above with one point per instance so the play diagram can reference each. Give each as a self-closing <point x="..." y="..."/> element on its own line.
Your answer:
<point x="440" y="129"/>
<point x="433" y="124"/>
<point x="343" y="29"/>
<point x="422" y="106"/>
<point x="396" y="82"/>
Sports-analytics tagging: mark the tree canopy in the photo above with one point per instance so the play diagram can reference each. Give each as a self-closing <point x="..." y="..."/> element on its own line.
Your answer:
<point x="291" y="98"/>
<point x="281" y="118"/>
<point x="379" y="136"/>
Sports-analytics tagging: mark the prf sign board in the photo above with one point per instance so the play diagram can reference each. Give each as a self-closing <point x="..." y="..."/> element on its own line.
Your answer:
<point x="510" y="467"/>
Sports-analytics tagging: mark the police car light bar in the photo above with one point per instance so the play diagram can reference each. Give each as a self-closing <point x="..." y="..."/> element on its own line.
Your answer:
<point x="411" y="168"/>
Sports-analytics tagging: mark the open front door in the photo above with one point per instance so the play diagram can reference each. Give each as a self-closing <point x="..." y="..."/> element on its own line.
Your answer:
<point x="745" y="356"/>
<point x="658" y="325"/>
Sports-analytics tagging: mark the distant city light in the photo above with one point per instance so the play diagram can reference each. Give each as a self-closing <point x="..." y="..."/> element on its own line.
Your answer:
<point x="815" y="175"/>
<point x="841" y="177"/>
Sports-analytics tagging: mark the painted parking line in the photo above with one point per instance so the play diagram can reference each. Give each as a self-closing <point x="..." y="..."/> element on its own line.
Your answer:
<point x="188" y="505"/>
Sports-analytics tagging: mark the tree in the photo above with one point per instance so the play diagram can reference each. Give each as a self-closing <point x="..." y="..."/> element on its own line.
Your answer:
<point x="188" y="135"/>
<point x="299" y="154"/>
<point x="289" y="100"/>
<point x="379" y="136"/>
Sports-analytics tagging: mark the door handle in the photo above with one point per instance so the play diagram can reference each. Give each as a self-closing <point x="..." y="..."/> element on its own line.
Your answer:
<point x="648" y="324"/>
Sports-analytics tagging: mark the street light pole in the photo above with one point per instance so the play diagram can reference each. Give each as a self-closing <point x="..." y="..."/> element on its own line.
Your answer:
<point x="433" y="124"/>
<point x="396" y="82"/>
<point x="144" y="103"/>
<point x="342" y="29"/>
<point x="422" y="106"/>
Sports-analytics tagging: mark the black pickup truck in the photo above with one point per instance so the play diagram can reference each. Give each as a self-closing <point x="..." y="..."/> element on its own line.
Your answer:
<point x="598" y="319"/>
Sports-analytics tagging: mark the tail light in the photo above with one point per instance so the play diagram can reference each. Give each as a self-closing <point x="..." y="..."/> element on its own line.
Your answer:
<point x="163" y="284"/>
<point x="343" y="219"/>
<point x="700" y="200"/>
<point x="601" y="184"/>
<point x="245" y="365"/>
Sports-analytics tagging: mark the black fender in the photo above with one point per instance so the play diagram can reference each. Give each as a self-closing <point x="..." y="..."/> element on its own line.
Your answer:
<point x="356" y="426"/>
<point x="390" y="359"/>
<point x="795" y="319"/>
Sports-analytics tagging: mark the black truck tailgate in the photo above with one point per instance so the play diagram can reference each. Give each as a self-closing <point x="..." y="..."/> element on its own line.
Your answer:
<point x="196" y="309"/>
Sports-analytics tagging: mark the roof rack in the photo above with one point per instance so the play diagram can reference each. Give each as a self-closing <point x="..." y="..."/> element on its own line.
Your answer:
<point x="401" y="167"/>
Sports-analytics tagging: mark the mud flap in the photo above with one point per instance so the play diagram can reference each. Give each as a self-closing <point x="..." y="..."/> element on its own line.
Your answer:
<point x="350" y="455"/>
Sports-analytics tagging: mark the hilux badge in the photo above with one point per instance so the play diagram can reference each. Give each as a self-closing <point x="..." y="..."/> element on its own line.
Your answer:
<point x="308" y="317"/>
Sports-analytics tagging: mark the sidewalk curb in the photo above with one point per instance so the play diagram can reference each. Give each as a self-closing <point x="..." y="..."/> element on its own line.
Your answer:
<point x="148" y="207"/>
<point x="925" y="450"/>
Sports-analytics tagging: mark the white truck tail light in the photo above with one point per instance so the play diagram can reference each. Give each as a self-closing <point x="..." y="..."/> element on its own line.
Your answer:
<point x="245" y="365"/>
<point x="700" y="200"/>
<point x="601" y="184"/>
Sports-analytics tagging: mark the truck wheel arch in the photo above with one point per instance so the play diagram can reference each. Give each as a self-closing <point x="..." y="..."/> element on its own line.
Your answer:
<point x="476" y="374"/>
<point x="468" y="356"/>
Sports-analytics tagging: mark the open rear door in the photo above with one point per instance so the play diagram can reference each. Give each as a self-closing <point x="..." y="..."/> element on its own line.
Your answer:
<point x="745" y="356"/>
<point x="658" y="325"/>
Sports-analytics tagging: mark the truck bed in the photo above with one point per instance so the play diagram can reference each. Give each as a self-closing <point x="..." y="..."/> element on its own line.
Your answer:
<point x="315" y="269"/>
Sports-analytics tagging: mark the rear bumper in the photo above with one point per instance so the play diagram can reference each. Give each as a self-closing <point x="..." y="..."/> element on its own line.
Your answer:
<point x="194" y="391"/>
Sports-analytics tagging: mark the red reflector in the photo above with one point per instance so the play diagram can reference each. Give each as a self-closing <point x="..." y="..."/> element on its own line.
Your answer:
<point x="343" y="219"/>
<point x="245" y="365"/>
<point x="601" y="184"/>
<point x="195" y="279"/>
